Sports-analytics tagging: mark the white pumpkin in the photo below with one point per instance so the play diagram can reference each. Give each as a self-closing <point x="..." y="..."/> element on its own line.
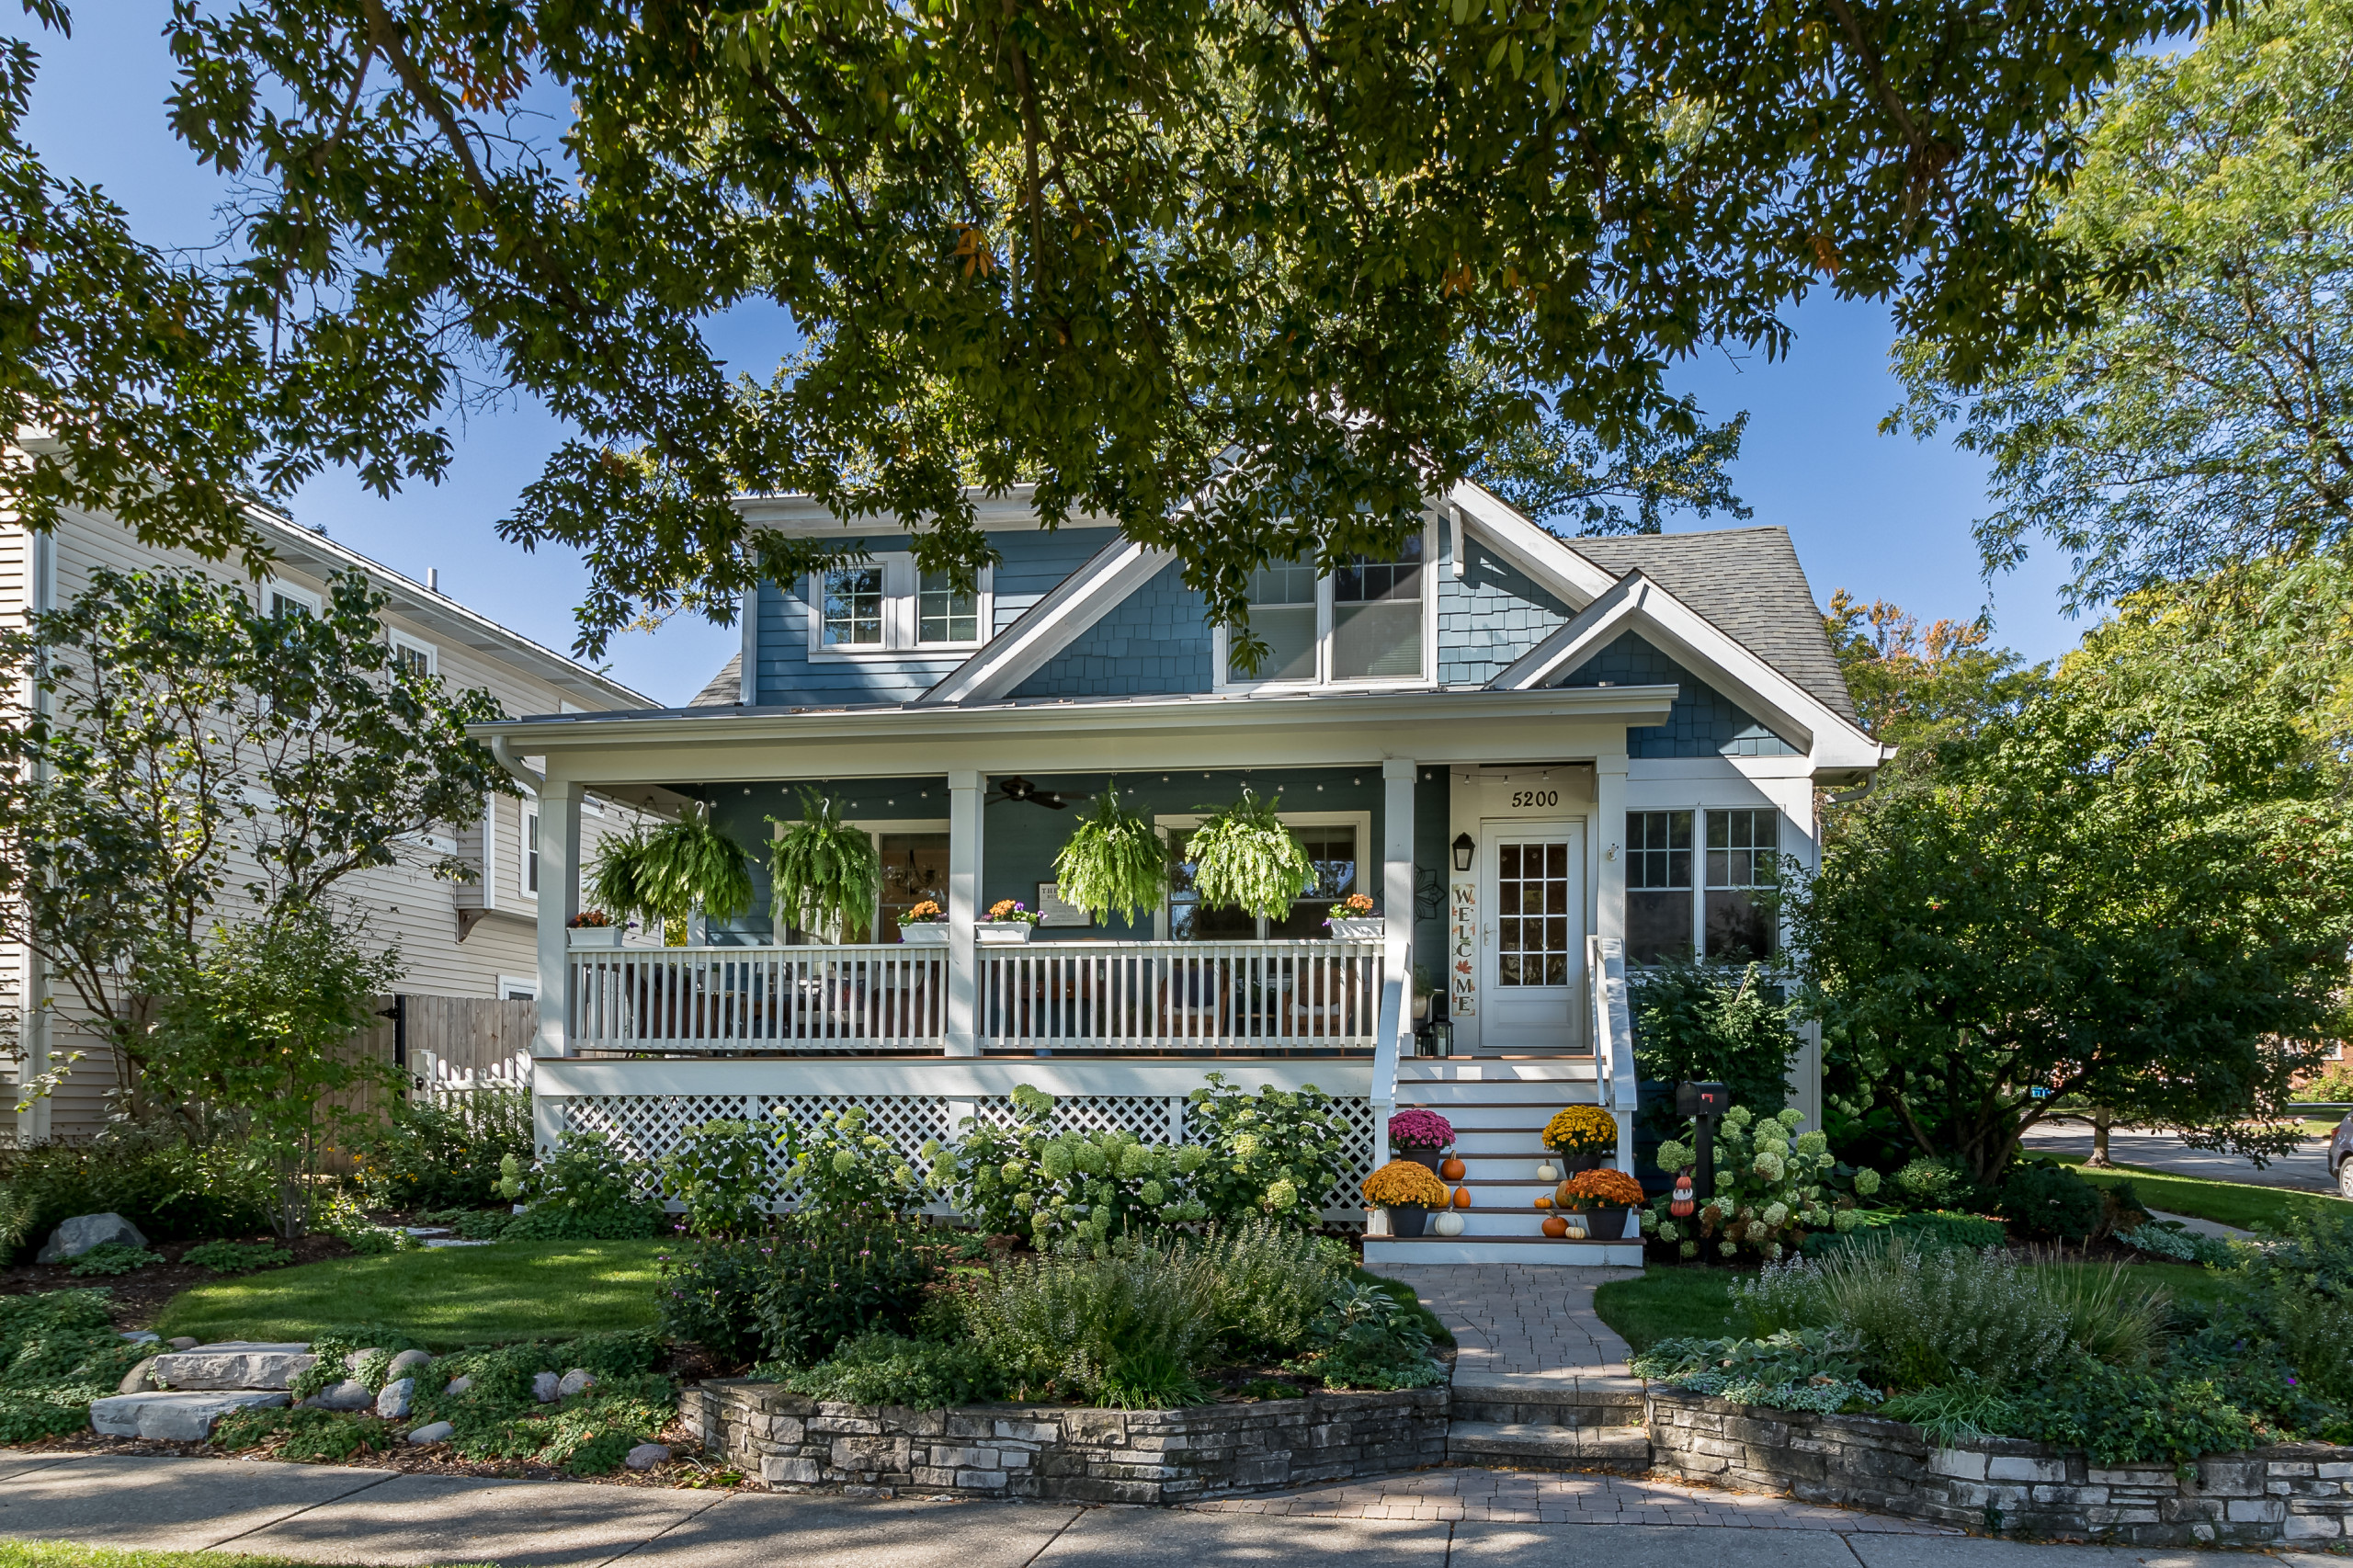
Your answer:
<point x="1547" y="1171"/>
<point x="1448" y="1224"/>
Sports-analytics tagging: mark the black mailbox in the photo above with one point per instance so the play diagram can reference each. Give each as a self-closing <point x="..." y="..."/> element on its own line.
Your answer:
<point x="1701" y="1099"/>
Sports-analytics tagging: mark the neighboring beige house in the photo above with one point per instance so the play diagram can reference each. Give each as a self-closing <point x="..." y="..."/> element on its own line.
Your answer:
<point x="457" y="939"/>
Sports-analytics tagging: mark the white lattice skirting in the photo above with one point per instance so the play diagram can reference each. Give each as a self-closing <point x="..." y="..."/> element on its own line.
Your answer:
<point x="647" y="1106"/>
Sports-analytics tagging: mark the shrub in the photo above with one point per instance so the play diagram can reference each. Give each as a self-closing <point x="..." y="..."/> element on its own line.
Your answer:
<point x="2047" y="1199"/>
<point x="1928" y="1183"/>
<point x="236" y="1257"/>
<point x="58" y="1352"/>
<point x="1702" y="1021"/>
<point x="1918" y="1318"/>
<point x="1772" y="1182"/>
<point x="1813" y="1369"/>
<point x="583" y="1189"/>
<point x="172" y="1190"/>
<point x="838" y="1167"/>
<point x="720" y="1174"/>
<point x="2333" y="1086"/>
<point x="1933" y="1232"/>
<point x="1403" y="1182"/>
<point x="111" y="1258"/>
<point x="1073" y="1323"/>
<point x="1026" y="1178"/>
<point x="1275" y="1152"/>
<point x="15" y="1222"/>
<point x="1268" y="1284"/>
<point x="836" y="1276"/>
<point x="445" y="1153"/>
<point x="2303" y="1285"/>
<point x="1365" y="1338"/>
<point x="711" y="1295"/>
<point x="889" y="1369"/>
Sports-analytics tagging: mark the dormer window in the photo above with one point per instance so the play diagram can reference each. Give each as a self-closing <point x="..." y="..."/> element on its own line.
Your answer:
<point x="1366" y="622"/>
<point x="888" y="607"/>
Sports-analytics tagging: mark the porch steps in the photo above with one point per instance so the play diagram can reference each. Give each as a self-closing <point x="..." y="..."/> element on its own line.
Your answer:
<point x="1513" y="1445"/>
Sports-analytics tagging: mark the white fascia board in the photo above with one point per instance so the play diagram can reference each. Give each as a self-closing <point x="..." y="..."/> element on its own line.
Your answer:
<point x="1564" y="573"/>
<point x="1051" y="625"/>
<point x="803" y="517"/>
<point x="1591" y="629"/>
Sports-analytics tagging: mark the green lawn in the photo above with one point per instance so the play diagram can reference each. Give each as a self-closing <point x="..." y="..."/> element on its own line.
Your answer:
<point x="447" y="1297"/>
<point x="2225" y="1202"/>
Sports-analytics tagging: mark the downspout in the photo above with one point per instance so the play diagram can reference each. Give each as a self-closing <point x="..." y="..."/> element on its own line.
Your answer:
<point x="502" y="750"/>
<point x="1848" y="797"/>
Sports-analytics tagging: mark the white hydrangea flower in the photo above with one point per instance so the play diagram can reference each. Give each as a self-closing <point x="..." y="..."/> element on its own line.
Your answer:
<point x="1867" y="1181"/>
<point x="1776" y="1215"/>
<point x="1845" y="1220"/>
<point x="1674" y="1157"/>
<point x="1812" y="1142"/>
<point x="1768" y="1166"/>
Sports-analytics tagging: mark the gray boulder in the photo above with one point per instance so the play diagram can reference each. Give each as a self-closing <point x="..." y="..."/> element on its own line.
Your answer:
<point x="645" y="1456"/>
<point x="408" y="1361"/>
<point x="392" y="1400"/>
<point x="83" y="1231"/>
<point x="235" y="1365"/>
<point x="547" y="1387"/>
<point x="577" y="1381"/>
<point x="174" y="1418"/>
<point x="348" y="1394"/>
<point x="458" y="1385"/>
<point x="142" y="1337"/>
<point x="135" y="1379"/>
<point x="185" y="1342"/>
<point x="351" y="1361"/>
<point x="432" y="1432"/>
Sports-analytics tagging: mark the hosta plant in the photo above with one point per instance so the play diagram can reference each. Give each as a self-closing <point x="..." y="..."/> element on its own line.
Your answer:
<point x="1772" y="1184"/>
<point x="1243" y="858"/>
<point x="1115" y="859"/>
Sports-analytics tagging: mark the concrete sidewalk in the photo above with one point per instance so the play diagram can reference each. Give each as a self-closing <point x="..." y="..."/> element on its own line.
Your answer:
<point x="327" y="1514"/>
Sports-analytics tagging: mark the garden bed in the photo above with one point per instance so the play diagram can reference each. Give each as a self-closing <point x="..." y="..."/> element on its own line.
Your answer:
<point x="1062" y="1452"/>
<point x="2299" y="1492"/>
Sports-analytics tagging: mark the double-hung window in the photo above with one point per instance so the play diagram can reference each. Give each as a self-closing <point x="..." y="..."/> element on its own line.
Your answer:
<point x="1724" y="913"/>
<point x="1363" y="621"/>
<point x="888" y="607"/>
<point x="1332" y="842"/>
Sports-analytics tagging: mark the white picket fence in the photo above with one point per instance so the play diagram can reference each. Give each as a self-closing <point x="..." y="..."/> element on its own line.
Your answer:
<point x="434" y="1080"/>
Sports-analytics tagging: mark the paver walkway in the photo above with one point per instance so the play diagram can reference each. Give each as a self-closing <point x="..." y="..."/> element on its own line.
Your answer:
<point x="1510" y="1496"/>
<point x="1520" y="1319"/>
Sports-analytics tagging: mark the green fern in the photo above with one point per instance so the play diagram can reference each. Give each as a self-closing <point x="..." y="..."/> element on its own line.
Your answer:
<point x="1115" y="859"/>
<point x="1243" y="858"/>
<point x="825" y="873"/>
<point x="666" y="874"/>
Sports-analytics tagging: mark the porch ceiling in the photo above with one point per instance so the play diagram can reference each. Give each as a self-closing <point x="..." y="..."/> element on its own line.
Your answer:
<point x="1322" y="730"/>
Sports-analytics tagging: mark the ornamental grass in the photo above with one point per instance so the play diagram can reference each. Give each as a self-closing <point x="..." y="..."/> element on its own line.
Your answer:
<point x="1581" y="1130"/>
<point x="1403" y="1182"/>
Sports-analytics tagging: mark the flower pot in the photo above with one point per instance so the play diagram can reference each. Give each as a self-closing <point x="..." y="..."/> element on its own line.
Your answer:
<point x="1607" y="1221"/>
<point x="1433" y="1158"/>
<point x="1570" y="1164"/>
<point x="1555" y="1227"/>
<point x="1453" y="1169"/>
<point x="1369" y="929"/>
<point x="1407" y="1218"/>
<point x="1447" y="1225"/>
<point x="1000" y="933"/>
<point x="924" y="934"/>
<point x="594" y="936"/>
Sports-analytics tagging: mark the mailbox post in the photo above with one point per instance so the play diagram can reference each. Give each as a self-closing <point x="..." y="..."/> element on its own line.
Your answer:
<point x="1704" y="1102"/>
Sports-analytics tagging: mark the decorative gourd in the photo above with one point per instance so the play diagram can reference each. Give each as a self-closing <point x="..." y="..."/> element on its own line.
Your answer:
<point x="1462" y="1198"/>
<point x="1547" y="1171"/>
<point x="1447" y="1225"/>
<point x="1554" y="1226"/>
<point x="1574" y="1224"/>
<point x="1544" y="1203"/>
<point x="1453" y="1169"/>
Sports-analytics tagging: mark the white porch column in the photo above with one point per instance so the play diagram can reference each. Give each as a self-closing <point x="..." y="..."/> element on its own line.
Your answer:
<point x="558" y="901"/>
<point x="1397" y="775"/>
<point x="1609" y="837"/>
<point x="964" y="907"/>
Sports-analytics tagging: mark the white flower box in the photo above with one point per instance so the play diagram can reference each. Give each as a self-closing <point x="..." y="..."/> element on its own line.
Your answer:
<point x="1371" y="929"/>
<point x="924" y="934"/>
<point x="1002" y="933"/>
<point x="594" y="936"/>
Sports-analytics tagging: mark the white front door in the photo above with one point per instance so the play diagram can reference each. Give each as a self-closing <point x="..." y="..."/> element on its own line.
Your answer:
<point x="1533" y="937"/>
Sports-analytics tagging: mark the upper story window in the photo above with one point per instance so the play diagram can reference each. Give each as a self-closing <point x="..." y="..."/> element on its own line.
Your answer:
<point x="280" y="599"/>
<point x="1726" y="916"/>
<point x="888" y="607"/>
<point x="1366" y="621"/>
<point x="415" y="657"/>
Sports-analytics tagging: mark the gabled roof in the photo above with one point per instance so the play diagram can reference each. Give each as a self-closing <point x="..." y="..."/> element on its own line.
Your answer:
<point x="727" y="688"/>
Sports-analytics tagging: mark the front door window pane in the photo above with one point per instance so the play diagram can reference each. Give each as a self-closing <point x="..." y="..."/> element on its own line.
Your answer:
<point x="943" y="615"/>
<point x="1744" y="847"/>
<point x="853" y="608"/>
<point x="1532" y="914"/>
<point x="915" y="867"/>
<point x="1377" y="618"/>
<point x="1282" y="613"/>
<point x="1658" y="885"/>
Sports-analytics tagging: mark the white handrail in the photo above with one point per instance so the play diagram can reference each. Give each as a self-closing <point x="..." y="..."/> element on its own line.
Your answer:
<point x="1084" y="995"/>
<point x="1396" y="1030"/>
<point x="883" y="996"/>
<point x="1613" y="1040"/>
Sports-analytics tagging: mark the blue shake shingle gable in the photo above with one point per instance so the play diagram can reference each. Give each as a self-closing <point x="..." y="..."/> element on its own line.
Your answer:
<point x="1156" y="642"/>
<point x="1703" y="723"/>
<point x="1489" y="617"/>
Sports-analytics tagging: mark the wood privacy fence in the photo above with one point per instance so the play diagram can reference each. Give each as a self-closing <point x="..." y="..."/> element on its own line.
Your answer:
<point x="465" y="1041"/>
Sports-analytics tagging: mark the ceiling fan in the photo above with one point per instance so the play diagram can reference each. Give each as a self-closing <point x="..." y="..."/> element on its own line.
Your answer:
<point x="1017" y="788"/>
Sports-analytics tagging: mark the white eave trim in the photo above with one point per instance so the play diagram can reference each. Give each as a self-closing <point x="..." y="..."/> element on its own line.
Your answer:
<point x="1550" y="562"/>
<point x="1593" y="629"/>
<point x="1051" y="625"/>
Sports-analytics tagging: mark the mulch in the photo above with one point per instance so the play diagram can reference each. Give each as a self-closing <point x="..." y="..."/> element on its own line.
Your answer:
<point x="137" y="1298"/>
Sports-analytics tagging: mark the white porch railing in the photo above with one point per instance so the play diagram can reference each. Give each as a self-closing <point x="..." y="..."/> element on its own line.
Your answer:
<point x="1155" y="996"/>
<point x="882" y="997"/>
<point x="1613" y="1038"/>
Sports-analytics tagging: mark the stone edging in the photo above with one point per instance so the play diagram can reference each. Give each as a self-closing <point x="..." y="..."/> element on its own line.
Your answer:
<point x="1064" y="1453"/>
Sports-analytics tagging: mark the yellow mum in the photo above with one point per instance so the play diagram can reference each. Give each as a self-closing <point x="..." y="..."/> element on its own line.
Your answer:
<point x="1404" y="1182"/>
<point x="1582" y="1130"/>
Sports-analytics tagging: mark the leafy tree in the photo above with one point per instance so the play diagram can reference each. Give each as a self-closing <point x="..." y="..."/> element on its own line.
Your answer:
<point x="1562" y="476"/>
<point x="1205" y="268"/>
<point x="255" y="1023"/>
<point x="2136" y="891"/>
<point x="2206" y="414"/>
<point x="186" y="757"/>
<point x="1912" y="688"/>
<point x="1703" y="1022"/>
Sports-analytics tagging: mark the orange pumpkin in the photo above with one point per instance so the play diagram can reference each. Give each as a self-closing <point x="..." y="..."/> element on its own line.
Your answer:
<point x="1554" y="1226"/>
<point x="1462" y="1198"/>
<point x="1453" y="1169"/>
<point x="1565" y="1195"/>
<point x="1543" y="1203"/>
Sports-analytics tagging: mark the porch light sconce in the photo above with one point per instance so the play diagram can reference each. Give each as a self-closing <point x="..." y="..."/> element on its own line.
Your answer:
<point x="1463" y="848"/>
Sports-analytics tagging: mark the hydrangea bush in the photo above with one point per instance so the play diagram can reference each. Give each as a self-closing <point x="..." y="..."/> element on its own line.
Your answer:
<point x="1772" y="1184"/>
<point x="1028" y="1179"/>
<point x="1275" y="1152"/>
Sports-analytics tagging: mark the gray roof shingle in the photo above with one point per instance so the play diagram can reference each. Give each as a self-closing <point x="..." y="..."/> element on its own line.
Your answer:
<point x="727" y="688"/>
<point x="1748" y="583"/>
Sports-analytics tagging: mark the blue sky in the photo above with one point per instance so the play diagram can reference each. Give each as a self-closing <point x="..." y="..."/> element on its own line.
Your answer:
<point x="1883" y="517"/>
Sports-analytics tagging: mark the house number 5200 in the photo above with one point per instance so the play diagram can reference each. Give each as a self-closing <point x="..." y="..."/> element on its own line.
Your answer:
<point x="1535" y="798"/>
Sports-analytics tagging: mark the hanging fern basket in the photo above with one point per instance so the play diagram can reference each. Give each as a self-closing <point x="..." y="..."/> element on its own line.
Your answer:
<point x="823" y="873"/>
<point x="1243" y="858"/>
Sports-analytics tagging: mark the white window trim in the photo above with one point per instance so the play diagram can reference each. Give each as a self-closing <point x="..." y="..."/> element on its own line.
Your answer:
<point x="1222" y="678"/>
<point x="401" y="640"/>
<point x="900" y="615"/>
<point x="1177" y="821"/>
<point x="519" y="987"/>
<point x="1699" y="888"/>
<point x="527" y="845"/>
<point x="279" y="587"/>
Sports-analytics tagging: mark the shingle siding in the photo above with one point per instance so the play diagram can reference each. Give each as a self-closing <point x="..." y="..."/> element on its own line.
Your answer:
<point x="1489" y="617"/>
<point x="1703" y="722"/>
<point x="1155" y="642"/>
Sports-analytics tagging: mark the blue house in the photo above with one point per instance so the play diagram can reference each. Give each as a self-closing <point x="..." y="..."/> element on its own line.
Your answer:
<point x="1544" y="760"/>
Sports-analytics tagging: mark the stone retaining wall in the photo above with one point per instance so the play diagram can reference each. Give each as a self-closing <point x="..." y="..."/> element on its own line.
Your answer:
<point x="1056" y="1451"/>
<point x="2299" y="1492"/>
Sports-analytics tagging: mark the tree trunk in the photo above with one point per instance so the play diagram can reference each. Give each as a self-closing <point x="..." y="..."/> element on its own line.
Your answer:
<point x="2101" y="1119"/>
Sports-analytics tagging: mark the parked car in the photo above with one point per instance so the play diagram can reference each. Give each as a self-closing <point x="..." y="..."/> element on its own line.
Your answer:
<point x="2340" y="1155"/>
